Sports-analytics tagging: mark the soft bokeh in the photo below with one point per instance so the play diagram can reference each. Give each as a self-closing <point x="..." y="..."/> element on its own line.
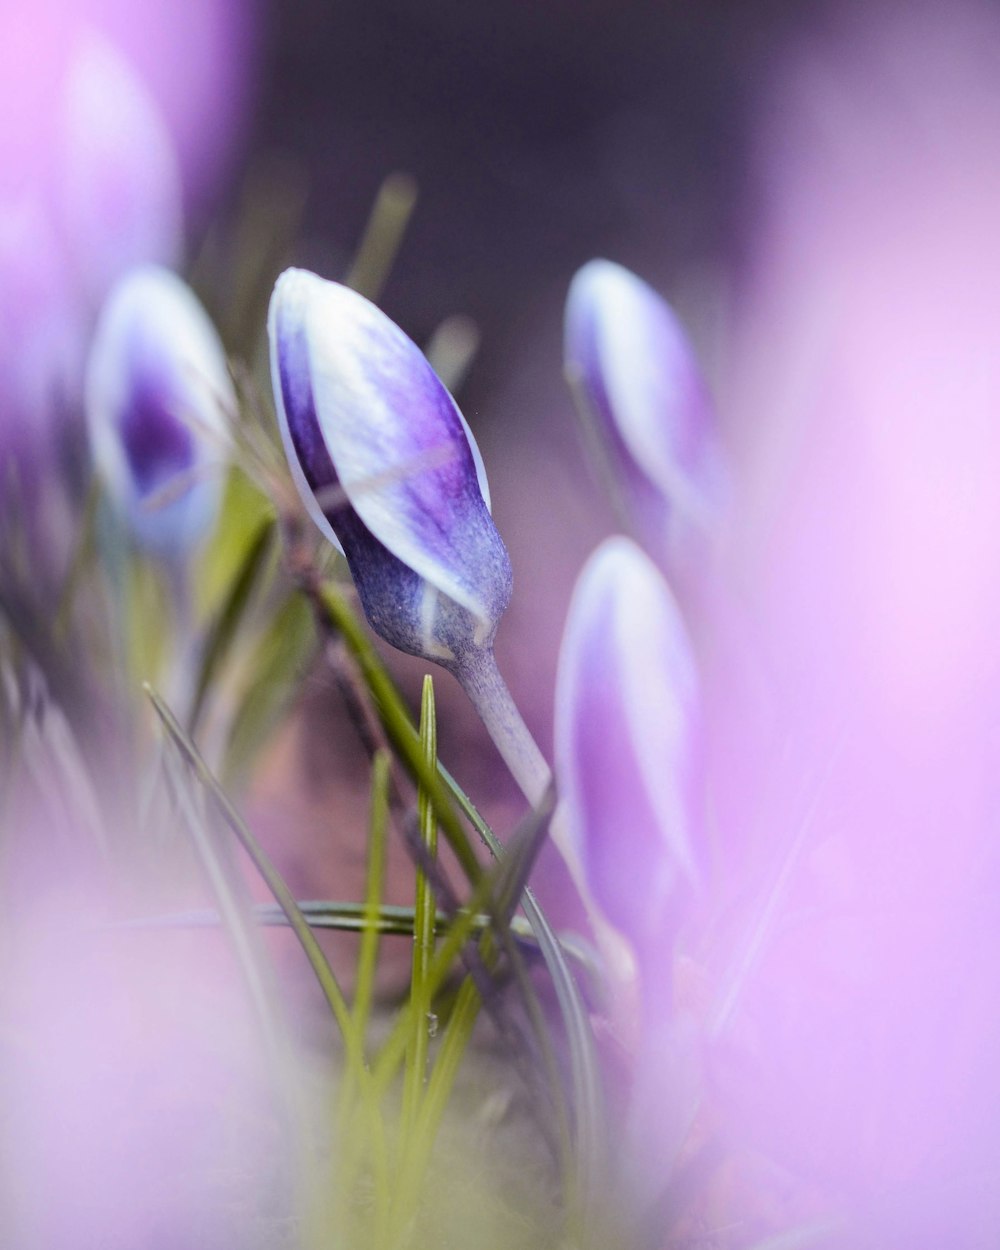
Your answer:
<point x="860" y="745"/>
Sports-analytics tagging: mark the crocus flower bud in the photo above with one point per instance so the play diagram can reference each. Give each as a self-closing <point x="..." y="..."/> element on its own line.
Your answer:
<point x="157" y="394"/>
<point x="388" y="469"/>
<point x="627" y="739"/>
<point x="634" y="372"/>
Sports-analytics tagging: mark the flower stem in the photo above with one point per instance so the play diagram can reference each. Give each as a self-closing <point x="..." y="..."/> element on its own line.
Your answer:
<point x="483" y="683"/>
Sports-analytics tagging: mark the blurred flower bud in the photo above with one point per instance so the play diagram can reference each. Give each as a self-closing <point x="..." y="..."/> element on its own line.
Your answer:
<point x="120" y="192"/>
<point x="628" y="742"/>
<point x="157" y="394"/>
<point x="388" y="469"/>
<point x="635" y="376"/>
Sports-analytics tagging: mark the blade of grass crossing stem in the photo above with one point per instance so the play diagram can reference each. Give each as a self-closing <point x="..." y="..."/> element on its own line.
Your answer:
<point x="396" y="722"/>
<point x="588" y="1094"/>
<point x="539" y="1026"/>
<point x="346" y="917"/>
<point x="370" y="1129"/>
<point x="424" y="913"/>
<point x="273" y="879"/>
<point x="509" y="877"/>
<point x="236" y="912"/>
<point x="493" y="886"/>
<point x="233" y="907"/>
<point x="588" y="1097"/>
<point x="355" y="1059"/>
<point x="371" y="917"/>
<point x="512" y="872"/>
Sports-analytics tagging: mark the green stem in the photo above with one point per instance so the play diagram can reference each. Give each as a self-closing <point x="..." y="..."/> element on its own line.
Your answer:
<point x="588" y="1093"/>
<point x="423" y="929"/>
<point x="396" y="720"/>
<point x="371" y="916"/>
<point x="353" y="1045"/>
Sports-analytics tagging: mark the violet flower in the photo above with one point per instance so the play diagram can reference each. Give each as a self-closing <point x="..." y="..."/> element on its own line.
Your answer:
<point x="628" y="742"/>
<point x="97" y="191"/>
<point x="389" y="471"/>
<point x="628" y="759"/>
<point x="638" y="385"/>
<point x="157" y="394"/>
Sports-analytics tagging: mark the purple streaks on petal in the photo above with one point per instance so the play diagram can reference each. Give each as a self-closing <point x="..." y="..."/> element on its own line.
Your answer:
<point x="157" y="446"/>
<point x="156" y="397"/>
<point x="300" y="411"/>
<point x="362" y="408"/>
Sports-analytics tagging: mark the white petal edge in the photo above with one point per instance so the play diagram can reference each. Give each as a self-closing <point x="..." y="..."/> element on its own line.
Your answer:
<point x="327" y="310"/>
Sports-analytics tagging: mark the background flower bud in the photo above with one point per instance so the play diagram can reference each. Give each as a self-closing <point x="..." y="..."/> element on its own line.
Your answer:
<point x="388" y="469"/>
<point x="628" y="741"/>
<point x="157" y="394"/>
<point x="635" y="374"/>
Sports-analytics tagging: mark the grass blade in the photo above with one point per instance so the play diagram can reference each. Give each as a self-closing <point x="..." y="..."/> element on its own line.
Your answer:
<point x="371" y="916"/>
<point x="424" y="913"/>
<point x="273" y="879"/>
<point x="227" y="621"/>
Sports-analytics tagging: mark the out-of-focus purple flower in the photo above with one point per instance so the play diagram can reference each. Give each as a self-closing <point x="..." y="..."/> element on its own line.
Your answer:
<point x="629" y="361"/>
<point x="195" y="62"/>
<point x="629" y="764"/>
<point x="105" y="198"/>
<point x="388" y="469"/>
<point x="628" y="742"/>
<point x="110" y="113"/>
<point x="157" y="394"/>
<point x="866" y="541"/>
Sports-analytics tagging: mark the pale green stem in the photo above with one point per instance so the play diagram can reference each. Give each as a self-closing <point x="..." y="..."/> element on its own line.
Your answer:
<point x="423" y="930"/>
<point x="482" y="682"/>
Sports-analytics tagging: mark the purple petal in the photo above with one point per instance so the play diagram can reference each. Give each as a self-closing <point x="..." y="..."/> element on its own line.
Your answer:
<point x="362" y="411"/>
<point x="630" y="355"/>
<point x="157" y="393"/>
<point x="628" y="739"/>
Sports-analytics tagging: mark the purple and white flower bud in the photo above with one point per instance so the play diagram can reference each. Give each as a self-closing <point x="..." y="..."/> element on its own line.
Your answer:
<point x="628" y="742"/>
<point x="388" y="469"/>
<point x="158" y="392"/>
<point x="634" y="372"/>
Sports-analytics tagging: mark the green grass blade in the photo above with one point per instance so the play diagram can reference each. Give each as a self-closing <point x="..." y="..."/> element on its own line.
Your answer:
<point x="396" y="722"/>
<point x="424" y="914"/>
<point x="275" y="882"/>
<point x="371" y="915"/>
<point x="234" y="909"/>
<point x="275" y="667"/>
<point x="587" y="1089"/>
<point x="227" y="620"/>
<point x="389" y="920"/>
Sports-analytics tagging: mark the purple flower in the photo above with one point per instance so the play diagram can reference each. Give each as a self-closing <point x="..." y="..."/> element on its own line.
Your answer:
<point x="157" y="394"/>
<point x="632" y="368"/>
<point x="388" y="469"/>
<point x="628" y="742"/>
<point x="97" y="190"/>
